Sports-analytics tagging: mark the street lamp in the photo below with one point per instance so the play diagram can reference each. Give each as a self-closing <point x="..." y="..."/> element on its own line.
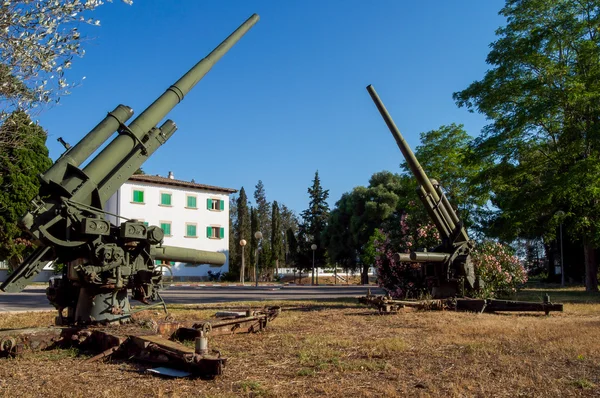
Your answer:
<point x="242" y="277"/>
<point x="258" y="236"/>
<point x="561" y="214"/>
<point x="313" y="248"/>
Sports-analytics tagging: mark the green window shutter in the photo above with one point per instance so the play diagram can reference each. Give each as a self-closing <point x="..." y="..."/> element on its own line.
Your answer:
<point x="191" y="202"/>
<point x="165" y="199"/>
<point x="222" y="233"/>
<point x="157" y="262"/>
<point x="138" y="196"/>
<point x="172" y="262"/>
<point x="146" y="223"/>
<point x="191" y="230"/>
<point x="222" y="204"/>
<point x="208" y="232"/>
<point x="166" y="228"/>
<point x="209" y="204"/>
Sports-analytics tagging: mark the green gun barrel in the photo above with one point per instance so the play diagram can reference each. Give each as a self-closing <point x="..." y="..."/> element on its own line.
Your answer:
<point x="100" y="168"/>
<point x="447" y="220"/>
<point x="422" y="257"/>
<point x="77" y="154"/>
<point x="184" y="255"/>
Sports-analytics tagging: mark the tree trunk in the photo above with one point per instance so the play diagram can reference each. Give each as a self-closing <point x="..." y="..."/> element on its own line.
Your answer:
<point x="591" y="268"/>
<point x="549" y="249"/>
<point x="364" y="276"/>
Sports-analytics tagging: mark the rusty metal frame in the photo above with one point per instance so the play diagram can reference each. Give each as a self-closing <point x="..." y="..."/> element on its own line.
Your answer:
<point x="143" y="340"/>
<point x="388" y="305"/>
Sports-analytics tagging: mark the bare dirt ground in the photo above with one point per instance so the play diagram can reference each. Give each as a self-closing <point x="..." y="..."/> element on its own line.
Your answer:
<point x="341" y="349"/>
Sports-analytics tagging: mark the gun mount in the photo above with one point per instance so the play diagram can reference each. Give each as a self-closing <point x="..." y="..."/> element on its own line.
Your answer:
<point x="450" y="263"/>
<point x="67" y="220"/>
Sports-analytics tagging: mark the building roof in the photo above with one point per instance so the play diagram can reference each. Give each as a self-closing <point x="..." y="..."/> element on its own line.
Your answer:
<point x="177" y="183"/>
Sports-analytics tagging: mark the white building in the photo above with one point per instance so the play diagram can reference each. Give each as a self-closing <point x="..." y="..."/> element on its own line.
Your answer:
<point x="192" y="215"/>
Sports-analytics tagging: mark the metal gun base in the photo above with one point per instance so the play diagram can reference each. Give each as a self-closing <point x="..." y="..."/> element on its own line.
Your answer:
<point x="387" y="305"/>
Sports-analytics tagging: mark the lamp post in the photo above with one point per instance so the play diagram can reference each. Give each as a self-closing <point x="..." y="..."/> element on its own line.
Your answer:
<point x="258" y="236"/>
<point x="242" y="277"/>
<point x="313" y="248"/>
<point x="561" y="214"/>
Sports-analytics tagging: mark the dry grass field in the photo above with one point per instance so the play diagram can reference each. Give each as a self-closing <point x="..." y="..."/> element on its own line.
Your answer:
<point x="341" y="349"/>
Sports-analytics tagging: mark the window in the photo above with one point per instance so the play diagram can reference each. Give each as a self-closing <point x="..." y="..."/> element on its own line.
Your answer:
<point x="159" y="262"/>
<point x="215" y="232"/>
<point x="138" y="196"/>
<point x="166" y="227"/>
<point x="191" y="202"/>
<point x="215" y="204"/>
<point x="190" y="231"/>
<point x="165" y="199"/>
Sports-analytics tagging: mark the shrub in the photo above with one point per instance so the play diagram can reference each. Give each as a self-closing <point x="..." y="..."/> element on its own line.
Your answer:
<point x="500" y="269"/>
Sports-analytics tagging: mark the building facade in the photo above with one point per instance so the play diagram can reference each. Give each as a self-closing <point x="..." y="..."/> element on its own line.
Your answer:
<point x="192" y="215"/>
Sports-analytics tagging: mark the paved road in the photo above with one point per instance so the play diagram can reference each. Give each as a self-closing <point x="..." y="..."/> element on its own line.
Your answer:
<point x="33" y="298"/>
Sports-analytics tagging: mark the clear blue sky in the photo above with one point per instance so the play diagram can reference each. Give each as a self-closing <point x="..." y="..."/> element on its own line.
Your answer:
<point x="289" y="98"/>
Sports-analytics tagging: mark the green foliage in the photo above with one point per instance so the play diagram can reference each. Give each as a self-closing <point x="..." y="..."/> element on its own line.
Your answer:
<point x="242" y="228"/>
<point x="292" y="244"/>
<point x="276" y="238"/>
<point x="369" y="254"/>
<point x="263" y="209"/>
<point x="19" y="169"/>
<point x="253" y="229"/>
<point x="314" y="223"/>
<point x="357" y="214"/>
<point x="542" y="94"/>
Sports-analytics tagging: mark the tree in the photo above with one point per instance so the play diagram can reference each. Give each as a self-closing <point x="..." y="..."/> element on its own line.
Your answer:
<point x="19" y="170"/>
<point x="234" y="252"/>
<point x="38" y="42"/>
<point x="263" y="209"/>
<point x="358" y="213"/>
<point x="253" y="242"/>
<point x="242" y="228"/>
<point x="541" y="94"/>
<point x="276" y="231"/>
<point x="315" y="221"/>
<point x="289" y="221"/>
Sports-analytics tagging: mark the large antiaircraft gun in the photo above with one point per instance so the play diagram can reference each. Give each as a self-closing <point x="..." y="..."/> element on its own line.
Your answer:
<point x="448" y="265"/>
<point x="67" y="220"/>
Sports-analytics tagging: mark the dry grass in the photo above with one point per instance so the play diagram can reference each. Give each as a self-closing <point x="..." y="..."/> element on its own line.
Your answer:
<point x="338" y="348"/>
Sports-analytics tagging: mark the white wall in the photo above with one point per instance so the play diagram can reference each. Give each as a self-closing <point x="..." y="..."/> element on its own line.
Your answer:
<point x="154" y="213"/>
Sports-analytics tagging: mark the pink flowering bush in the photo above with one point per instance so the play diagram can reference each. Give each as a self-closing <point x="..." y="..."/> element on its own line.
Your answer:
<point x="399" y="279"/>
<point x="501" y="271"/>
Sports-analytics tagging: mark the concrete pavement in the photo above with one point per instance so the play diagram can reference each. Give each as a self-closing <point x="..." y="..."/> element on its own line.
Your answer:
<point x="33" y="298"/>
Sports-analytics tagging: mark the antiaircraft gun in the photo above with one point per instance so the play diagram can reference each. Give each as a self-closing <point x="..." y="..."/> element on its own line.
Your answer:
<point x="448" y="268"/>
<point x="68" y="224"/>
<point x="449" y="264"/>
